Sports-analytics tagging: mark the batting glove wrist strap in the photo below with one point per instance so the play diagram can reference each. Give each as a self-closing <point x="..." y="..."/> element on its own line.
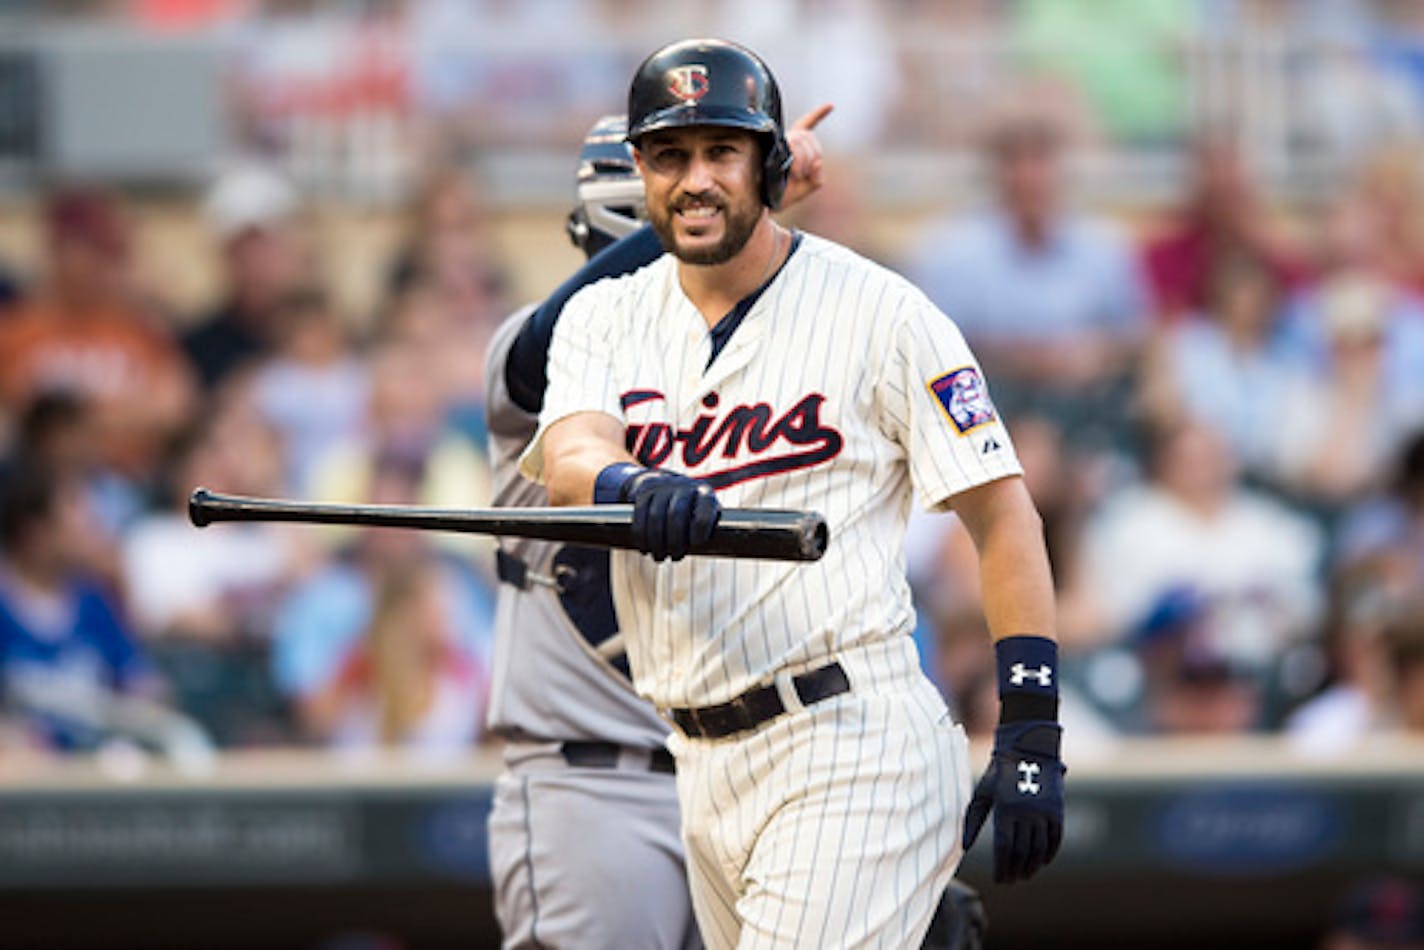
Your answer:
<point x="611" y="484"/>
<point x="1028" y="679"/>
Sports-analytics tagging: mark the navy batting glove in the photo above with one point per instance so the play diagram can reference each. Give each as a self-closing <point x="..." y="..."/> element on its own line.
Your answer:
<point x="1023" y="787"/>
<point x="672" y="513"/>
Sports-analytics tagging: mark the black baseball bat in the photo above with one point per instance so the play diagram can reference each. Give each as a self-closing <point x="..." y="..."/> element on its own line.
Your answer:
<point x="767" y="533"/>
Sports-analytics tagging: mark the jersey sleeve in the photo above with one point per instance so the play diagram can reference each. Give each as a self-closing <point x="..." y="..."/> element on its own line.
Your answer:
<point x="934" y="401"/>
<point x="581" y="377"/>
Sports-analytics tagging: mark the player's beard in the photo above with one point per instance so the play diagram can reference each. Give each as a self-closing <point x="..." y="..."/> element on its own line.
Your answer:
<point x="739" y="220"/>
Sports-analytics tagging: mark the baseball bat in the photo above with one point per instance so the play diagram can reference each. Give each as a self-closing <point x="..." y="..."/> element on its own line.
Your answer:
<point x="766" y="533"/>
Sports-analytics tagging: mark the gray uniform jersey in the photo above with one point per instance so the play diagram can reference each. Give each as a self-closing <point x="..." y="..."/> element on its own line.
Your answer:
<point x="549" y="683"/>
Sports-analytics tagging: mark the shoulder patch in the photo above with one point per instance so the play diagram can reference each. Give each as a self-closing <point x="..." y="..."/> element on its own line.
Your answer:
<point x="962" y="395"/>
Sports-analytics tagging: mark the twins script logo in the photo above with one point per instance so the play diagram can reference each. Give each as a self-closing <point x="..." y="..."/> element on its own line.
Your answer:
<point x="688" y="83"/>
<point x="797" y="438"/>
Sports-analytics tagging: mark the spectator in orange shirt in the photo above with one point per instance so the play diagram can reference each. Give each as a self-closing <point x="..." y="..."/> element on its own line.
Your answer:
<point x="85" y="332"/>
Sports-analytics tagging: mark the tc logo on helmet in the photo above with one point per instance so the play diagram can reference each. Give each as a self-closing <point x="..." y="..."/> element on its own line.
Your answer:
<point x="688" y="83"/>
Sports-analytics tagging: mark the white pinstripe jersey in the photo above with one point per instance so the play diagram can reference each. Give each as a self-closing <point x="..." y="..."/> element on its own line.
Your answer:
<point x="842" y="388"/>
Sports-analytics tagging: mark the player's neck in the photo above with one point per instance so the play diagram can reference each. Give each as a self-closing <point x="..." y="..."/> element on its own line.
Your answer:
<point x="716" y="288"/>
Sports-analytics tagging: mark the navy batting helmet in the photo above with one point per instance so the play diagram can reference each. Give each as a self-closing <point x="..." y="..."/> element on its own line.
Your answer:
<point x="608" y="197"/>
<point x="713" y="82"/>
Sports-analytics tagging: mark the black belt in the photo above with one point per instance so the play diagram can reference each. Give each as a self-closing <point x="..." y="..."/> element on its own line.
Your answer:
<point x="604" y="755"/>
<point x="756" y="706"/>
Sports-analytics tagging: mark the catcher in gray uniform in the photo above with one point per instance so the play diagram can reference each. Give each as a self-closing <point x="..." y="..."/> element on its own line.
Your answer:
<point x="588" y="787"/>
<point x="585" y="847"/>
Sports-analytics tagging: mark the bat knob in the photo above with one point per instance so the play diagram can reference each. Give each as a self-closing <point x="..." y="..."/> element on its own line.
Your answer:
<point x="814" y="544"/>
<point x="198" y="507"/>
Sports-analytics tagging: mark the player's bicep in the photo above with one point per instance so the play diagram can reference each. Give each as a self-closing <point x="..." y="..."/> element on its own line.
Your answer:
<point x="950" y="428"/>
<point x="581" y="360"/>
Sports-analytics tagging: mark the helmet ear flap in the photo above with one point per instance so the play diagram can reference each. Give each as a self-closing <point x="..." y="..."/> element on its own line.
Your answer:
<point x="775" y="169"/>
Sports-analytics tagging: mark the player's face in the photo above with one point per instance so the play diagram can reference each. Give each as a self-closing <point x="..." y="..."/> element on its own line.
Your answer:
<point x="703" y="190"/>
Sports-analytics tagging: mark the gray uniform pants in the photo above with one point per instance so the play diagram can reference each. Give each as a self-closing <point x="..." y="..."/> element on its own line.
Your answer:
<point x="589" y="858"/>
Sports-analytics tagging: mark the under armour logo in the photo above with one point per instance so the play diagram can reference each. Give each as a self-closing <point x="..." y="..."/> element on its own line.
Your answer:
<point x="1017" y="675"/>
<point x="1027" y="785"/>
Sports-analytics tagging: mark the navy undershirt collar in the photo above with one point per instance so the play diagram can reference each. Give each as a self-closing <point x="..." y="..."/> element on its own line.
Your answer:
<point x="725" y="327"/>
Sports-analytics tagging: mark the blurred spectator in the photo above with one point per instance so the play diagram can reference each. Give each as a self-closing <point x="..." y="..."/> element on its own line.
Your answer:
<point x="1230" y="367"/>
<point x="321" y="625"/>
<point x="1385" y="535"/>
<point x="57" y="433"/>
<point x="449" y="251"/>
<point x="1404" y="636"/>
<point x="410" y="682"/>
<point x="1349" y="411"/>
<point x="405" y="418"/>
<point x="1362" y="697"/>
<point x="251" y="210"/>
<point x="65" y="650"/>
<point x="1050" y="300"/>
<point x="1378" y="222"/>
<point x="314" y="389"/>
<point x="216" y="585"/>
<point x="1192" y="527"/>
<point x="448" y="277"/>
<point x="86" y="332"/>
<point x="1192" y="686"/>
<point x="1378" y="914"/>
<point x="1223" y="228"/>
<point x="1064" y="485"/>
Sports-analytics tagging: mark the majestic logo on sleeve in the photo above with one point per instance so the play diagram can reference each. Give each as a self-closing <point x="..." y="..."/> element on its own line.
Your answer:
<point x="964" y="398"/>
<point x="768" y="443"/>
<point x="689" y="83"/>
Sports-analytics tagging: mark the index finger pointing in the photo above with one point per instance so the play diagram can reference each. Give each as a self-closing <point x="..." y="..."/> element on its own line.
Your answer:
<point x="813" y="118"/>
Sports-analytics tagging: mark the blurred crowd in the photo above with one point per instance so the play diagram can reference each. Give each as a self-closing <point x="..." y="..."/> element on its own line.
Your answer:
<point x="259" y="633"/>
<point x="1219" y="405"/>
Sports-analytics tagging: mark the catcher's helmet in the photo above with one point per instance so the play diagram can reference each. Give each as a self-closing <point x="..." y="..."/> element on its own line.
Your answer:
<point x="608" y="196"/>
<point x="713" y="82"/>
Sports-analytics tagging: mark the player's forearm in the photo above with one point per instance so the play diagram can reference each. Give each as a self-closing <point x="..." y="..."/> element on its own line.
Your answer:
<point x="576" y="449"/>
<point x="1013" y="560"/>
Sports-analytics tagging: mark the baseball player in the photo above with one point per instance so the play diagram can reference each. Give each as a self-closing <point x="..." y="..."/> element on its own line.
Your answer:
<point x="822" y="783"/>
<point x="589" y="775"/>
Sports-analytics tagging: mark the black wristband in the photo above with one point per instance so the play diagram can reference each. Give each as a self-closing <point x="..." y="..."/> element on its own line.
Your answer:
<point x="1020" y="707"/>
<point x="1028" y="678"/>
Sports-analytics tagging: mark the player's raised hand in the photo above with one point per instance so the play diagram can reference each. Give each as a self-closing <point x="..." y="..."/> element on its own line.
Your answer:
<point x="806" y="168"/>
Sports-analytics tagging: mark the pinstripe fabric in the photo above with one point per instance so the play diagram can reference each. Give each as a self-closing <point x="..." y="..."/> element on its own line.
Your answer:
<point x="843" y="391"/>
<point x="835" y="826"/>
<point x="859" y="342"/>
